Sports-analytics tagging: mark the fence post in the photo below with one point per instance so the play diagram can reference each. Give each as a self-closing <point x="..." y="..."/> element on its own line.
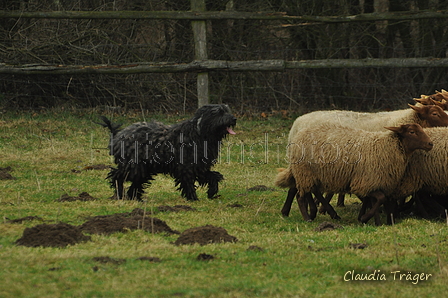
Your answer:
<point x="200" y="51"/>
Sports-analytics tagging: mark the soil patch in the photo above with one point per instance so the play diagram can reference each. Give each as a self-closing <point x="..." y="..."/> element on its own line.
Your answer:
<point x="122" y="222"/>
<point x="5" y="175"/>
<point x="97" y="167"/>
<point x="84" y="196"/>
<point x="327" y="226"/>
<point x="62" y="234"/>
<point x="255" y="248"/>
<point x="204" y="257"/>
<point x="106" y="260"/>
<point x="92" y="167"/>
<point x="205" y="235"/>
<point x="176" y="208"/>
<point x="26" y="218"/>
<point x="260" y="188"/>
<point x="358" y="245"/>
<point x="52" y="235"/>
<point x="150" y="259"/>
<point x="235" y="205"/>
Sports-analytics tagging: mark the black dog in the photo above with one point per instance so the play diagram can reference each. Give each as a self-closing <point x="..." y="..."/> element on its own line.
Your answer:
<point x="186" y="151"/>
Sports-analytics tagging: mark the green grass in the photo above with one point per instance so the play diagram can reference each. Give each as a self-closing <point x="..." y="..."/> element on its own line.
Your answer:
<point x="297" y="261"/>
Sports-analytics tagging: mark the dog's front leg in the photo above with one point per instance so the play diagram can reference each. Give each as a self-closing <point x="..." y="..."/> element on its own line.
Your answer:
<point x="213" y="178"/>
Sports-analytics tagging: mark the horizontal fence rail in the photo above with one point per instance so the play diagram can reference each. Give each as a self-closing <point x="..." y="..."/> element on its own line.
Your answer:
<point x="223" y="15"/>
<point x="219" y="65"/>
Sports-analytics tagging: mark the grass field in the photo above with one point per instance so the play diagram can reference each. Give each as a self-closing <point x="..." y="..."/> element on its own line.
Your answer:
<point x="49" y="152"/>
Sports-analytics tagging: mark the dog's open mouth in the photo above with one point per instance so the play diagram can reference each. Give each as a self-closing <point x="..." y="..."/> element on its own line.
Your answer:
<point x="230" y="131"/>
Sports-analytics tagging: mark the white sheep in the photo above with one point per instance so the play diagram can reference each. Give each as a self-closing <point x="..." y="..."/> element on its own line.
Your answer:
<point x="425" y="115"/>
<point x="336" y="158"/>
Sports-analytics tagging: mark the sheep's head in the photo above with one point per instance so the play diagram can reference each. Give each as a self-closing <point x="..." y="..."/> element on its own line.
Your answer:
<point x="431" y="115"/>
<point x="438" y="98"/>
<point x="443" y="104"/>
<point x="412" y="137"/>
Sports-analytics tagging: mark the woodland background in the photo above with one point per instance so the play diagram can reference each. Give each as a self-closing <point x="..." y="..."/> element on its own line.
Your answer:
<point x="118" y="41"/>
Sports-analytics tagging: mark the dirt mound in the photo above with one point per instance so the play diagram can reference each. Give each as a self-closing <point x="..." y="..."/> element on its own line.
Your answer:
<point x="149" y="259"/>
<point x="52" y="235"/>
<point x="204" y="257"/>
<point x="255" y="248"/>
<point x="358" y="245"/>
<point x="235" y="205"/>
<point x="92" y="167"/>
<point x="110" y="260"/>
<point x="176" y="208"/>
<point x="327" y="226"/>
<point x="62" y="234"/>
<point x="97" y="167"/>
<point x="5" y="175"/>
<point x="260" y="188"/>
<point x="205" y="235"/>
<point x="122" y="222"/>
<point x="84" y="196"/>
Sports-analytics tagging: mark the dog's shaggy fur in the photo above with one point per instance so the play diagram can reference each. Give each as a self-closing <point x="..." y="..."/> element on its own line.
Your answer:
<point x="186" y="151"/>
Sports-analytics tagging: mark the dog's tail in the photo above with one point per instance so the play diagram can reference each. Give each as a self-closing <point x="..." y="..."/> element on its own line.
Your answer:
<point x="285" y="179"/>
<point x="113" y="127"/>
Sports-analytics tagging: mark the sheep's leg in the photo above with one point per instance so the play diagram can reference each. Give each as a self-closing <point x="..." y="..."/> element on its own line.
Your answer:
<point x="341" y="198"/>
<point x="377" y="218"/>
<point x="365" y="204"/>
<point x="435" y="206"/>
<point x="327" y="205"/>
<point x="380" y="200"/>
<point x="402" y="205"/>
<point x="328" y="198"/>
<point x="312" y="205"/>
<point x="303" y="206"/>
<point x="288" y="202"/>
<point x="431" y="204"/>
<point x="369" y="203"/>
<point x="390" y="208"/>
<point x="419" y="207"/>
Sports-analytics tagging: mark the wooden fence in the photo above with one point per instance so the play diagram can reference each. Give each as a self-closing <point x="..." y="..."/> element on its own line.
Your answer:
<point x="201" y="64"/>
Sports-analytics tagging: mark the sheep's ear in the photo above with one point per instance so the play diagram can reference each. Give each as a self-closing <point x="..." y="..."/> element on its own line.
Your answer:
<point x="439" y="103"/>
<point x="415" y="108"/>
<point x="395" y="129"/>
<point x="424" y="100"/>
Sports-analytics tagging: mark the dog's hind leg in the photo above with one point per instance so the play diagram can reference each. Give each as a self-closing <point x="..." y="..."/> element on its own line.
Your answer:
<point x="116" y="182"/>
<point x="187" y="188"/>
<point x="135" y="191"/>
<point x="119" y="189"/>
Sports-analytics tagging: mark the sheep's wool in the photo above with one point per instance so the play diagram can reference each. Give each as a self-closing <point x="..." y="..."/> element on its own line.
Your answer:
<point x="337" y="158"/>
<point x="427" y="170"/>
<point x="366" y="121"/>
